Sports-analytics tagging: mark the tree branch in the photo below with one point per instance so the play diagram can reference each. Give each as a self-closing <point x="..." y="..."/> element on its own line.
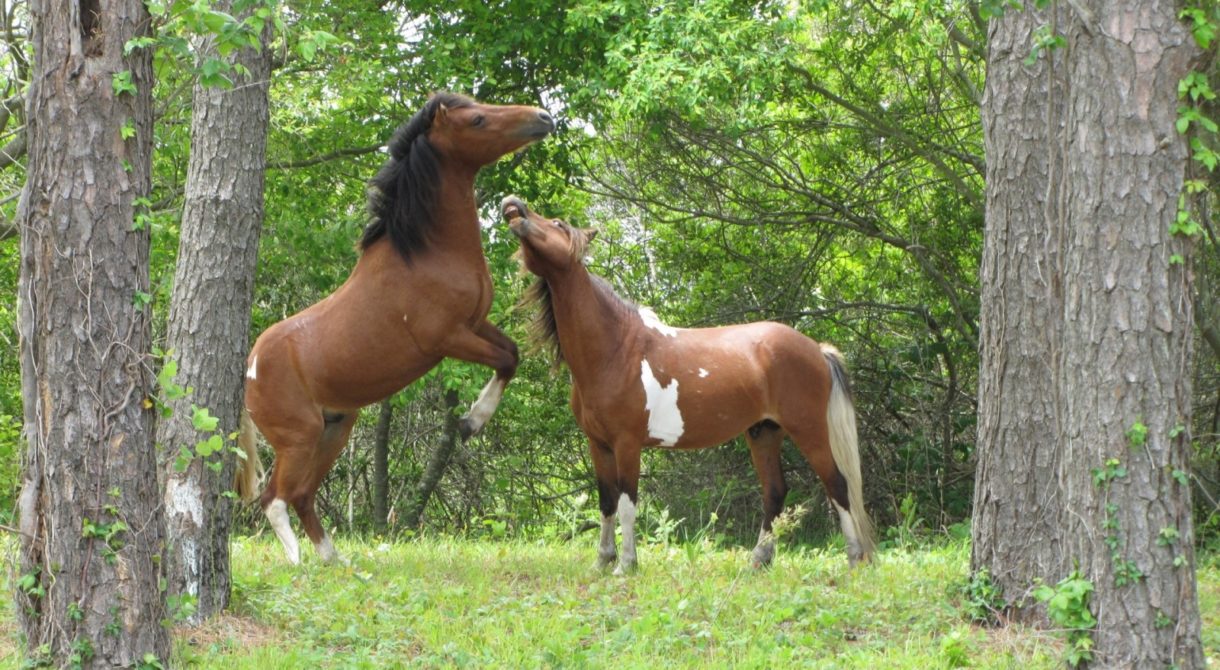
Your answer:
<point x="324" y="158"/>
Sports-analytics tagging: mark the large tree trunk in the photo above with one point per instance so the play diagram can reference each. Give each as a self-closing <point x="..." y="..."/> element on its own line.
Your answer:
<point x="209" y="320"/>
<point x="1015" y="496"/>
<point x="1113" y="401"/>
<point x="1125" y="375"/>
<point x="90" y="514"/>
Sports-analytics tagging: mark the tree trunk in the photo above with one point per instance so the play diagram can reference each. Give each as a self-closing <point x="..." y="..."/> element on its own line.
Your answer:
<point x="90" y="515"/>
<point x="381" y="469"/>
<point x="1125" y="375"/>
<point x="1015" y="497"/>
<point x="209" y="320"/>
<point x="1112" y="402"/>
<point x="436" y="464"/>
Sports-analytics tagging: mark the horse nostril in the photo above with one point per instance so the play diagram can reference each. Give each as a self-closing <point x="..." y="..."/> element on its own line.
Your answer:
<point x="547" y="117"/>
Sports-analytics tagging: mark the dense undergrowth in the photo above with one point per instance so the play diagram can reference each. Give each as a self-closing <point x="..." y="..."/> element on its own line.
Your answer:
<point x="443" y="602"/>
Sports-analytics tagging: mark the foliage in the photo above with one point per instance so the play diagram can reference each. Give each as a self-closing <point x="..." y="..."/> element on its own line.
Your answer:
<point x="1067" y="605"/>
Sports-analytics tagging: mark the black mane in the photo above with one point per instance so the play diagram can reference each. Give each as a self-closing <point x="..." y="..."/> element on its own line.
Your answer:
<point x="544" y="331"/>
<point x="402" y="197"/>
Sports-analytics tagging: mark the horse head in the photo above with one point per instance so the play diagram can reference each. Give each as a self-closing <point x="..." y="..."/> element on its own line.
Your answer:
<point x="548" y="246"/>
<point x="475" y="134"/>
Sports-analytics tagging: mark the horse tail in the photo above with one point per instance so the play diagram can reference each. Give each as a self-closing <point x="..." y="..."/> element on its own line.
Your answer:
<point x="250" y="468"/>
<point x="844" y="445"/>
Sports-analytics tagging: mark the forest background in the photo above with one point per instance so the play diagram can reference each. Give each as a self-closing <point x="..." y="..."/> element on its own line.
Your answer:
<point x="816" y="163"/>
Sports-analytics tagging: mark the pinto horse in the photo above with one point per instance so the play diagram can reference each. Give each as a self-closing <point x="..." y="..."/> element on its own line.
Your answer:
<point x="420" y="292"/>
<point x="637" y="382"/>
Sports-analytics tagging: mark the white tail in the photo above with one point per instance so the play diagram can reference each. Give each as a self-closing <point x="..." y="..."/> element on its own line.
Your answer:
<point x="844" y="447"/>
<point x="249" y="469"/>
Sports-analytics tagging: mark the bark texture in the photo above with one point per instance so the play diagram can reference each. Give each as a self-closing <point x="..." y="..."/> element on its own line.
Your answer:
<point x="90" y="515"/>
<point x="1016" y="495"/>
<point x="1125" y="374"/>
<point x="1112" y="404"/>
<point x="381" y="466"/>
<point x="209" y="321"/>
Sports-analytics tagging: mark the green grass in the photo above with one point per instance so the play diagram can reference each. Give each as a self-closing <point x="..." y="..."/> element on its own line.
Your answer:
<point x="437" y="602"/>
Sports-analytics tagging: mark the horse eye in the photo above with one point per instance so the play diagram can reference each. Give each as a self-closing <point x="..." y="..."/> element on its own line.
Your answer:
<point x="478" y="121"/>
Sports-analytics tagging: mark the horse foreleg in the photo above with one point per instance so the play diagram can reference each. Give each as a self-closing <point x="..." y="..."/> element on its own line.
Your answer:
<point x="484" y="345"/>
<point x="607" y="500"/>
<point x="627" y="463"/>
<point x="765" y="440"/>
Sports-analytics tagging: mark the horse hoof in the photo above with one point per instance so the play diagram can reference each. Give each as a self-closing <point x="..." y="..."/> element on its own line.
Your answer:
<point x="624" y="569"/>
<point x="466" y="428"/>
<point x="761" y="557"/>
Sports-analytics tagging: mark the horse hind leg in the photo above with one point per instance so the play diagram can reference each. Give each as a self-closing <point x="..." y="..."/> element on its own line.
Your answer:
<point x="814" y="442"/>
<point x="765" y="440"/>
<point x="302" y="460"/>
<point x="334" y="437"/>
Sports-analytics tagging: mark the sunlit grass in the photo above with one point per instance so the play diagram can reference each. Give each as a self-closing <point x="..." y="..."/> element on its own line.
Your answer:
<point x="441" y="602"/>
<point x="453" y="603"/>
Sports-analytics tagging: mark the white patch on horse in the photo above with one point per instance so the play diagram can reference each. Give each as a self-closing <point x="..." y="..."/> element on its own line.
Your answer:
<point x="651" y="320"/>
<point x="703" y="373"/>
<point x="486" y="405"/>
<point x="277" y="514"/>
<point x="626" y="519"/>
<point x="661" y="402"/>
<point x="849" y="530"/>
<point x="252" y="371"/>
<point x="327" y="552"/>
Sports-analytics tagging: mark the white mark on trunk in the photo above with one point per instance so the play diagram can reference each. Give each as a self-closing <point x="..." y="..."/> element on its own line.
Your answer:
<point x="703" y="373"/>
<point x="277" y="514"/>
<point x="184" y="498"/>
<point x="252" y="371"/>
<point x="661" y="402"/>
<point x="651" y="320"/>
<point x="26" y="508"/>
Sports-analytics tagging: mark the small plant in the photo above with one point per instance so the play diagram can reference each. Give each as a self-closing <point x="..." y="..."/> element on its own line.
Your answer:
<point x="983" y="598"/>
<point x="1067" y="605"/>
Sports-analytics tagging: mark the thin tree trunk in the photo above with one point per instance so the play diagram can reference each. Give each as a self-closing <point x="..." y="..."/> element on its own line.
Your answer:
<point x="1016" y="497"/>
<point x="209" y="321"/>
<point x="381" y="473"/>
<point x="90" y="516"/>
<point x="436" y="464"/>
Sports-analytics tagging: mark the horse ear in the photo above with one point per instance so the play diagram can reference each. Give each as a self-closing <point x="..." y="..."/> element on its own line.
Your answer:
<point x="591" y="234"/>
<point x="441" y="117"/>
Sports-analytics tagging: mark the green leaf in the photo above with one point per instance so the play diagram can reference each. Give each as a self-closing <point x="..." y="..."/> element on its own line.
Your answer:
<point x="121" y="83"/>
<point x="203" y="420"/>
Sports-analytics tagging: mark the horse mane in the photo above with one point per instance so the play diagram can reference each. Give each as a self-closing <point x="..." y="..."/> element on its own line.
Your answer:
<point x="402" y="196"/>
<point x="543" y="330"/>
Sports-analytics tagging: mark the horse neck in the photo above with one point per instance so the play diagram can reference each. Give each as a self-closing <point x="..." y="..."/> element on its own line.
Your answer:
<point x="590" y="323"/>
<point x="457" y="213"/>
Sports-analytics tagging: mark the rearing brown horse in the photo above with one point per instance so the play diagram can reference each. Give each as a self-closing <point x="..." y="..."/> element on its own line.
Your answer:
<point x="420" y="292"/>
<point x="637" y="382"/>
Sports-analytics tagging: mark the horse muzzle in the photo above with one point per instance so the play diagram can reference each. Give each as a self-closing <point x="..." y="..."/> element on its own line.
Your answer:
<point x="541" y="125"/>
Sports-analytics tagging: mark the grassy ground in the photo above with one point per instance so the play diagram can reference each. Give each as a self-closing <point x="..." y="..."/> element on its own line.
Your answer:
<point x="461" y="603"/>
